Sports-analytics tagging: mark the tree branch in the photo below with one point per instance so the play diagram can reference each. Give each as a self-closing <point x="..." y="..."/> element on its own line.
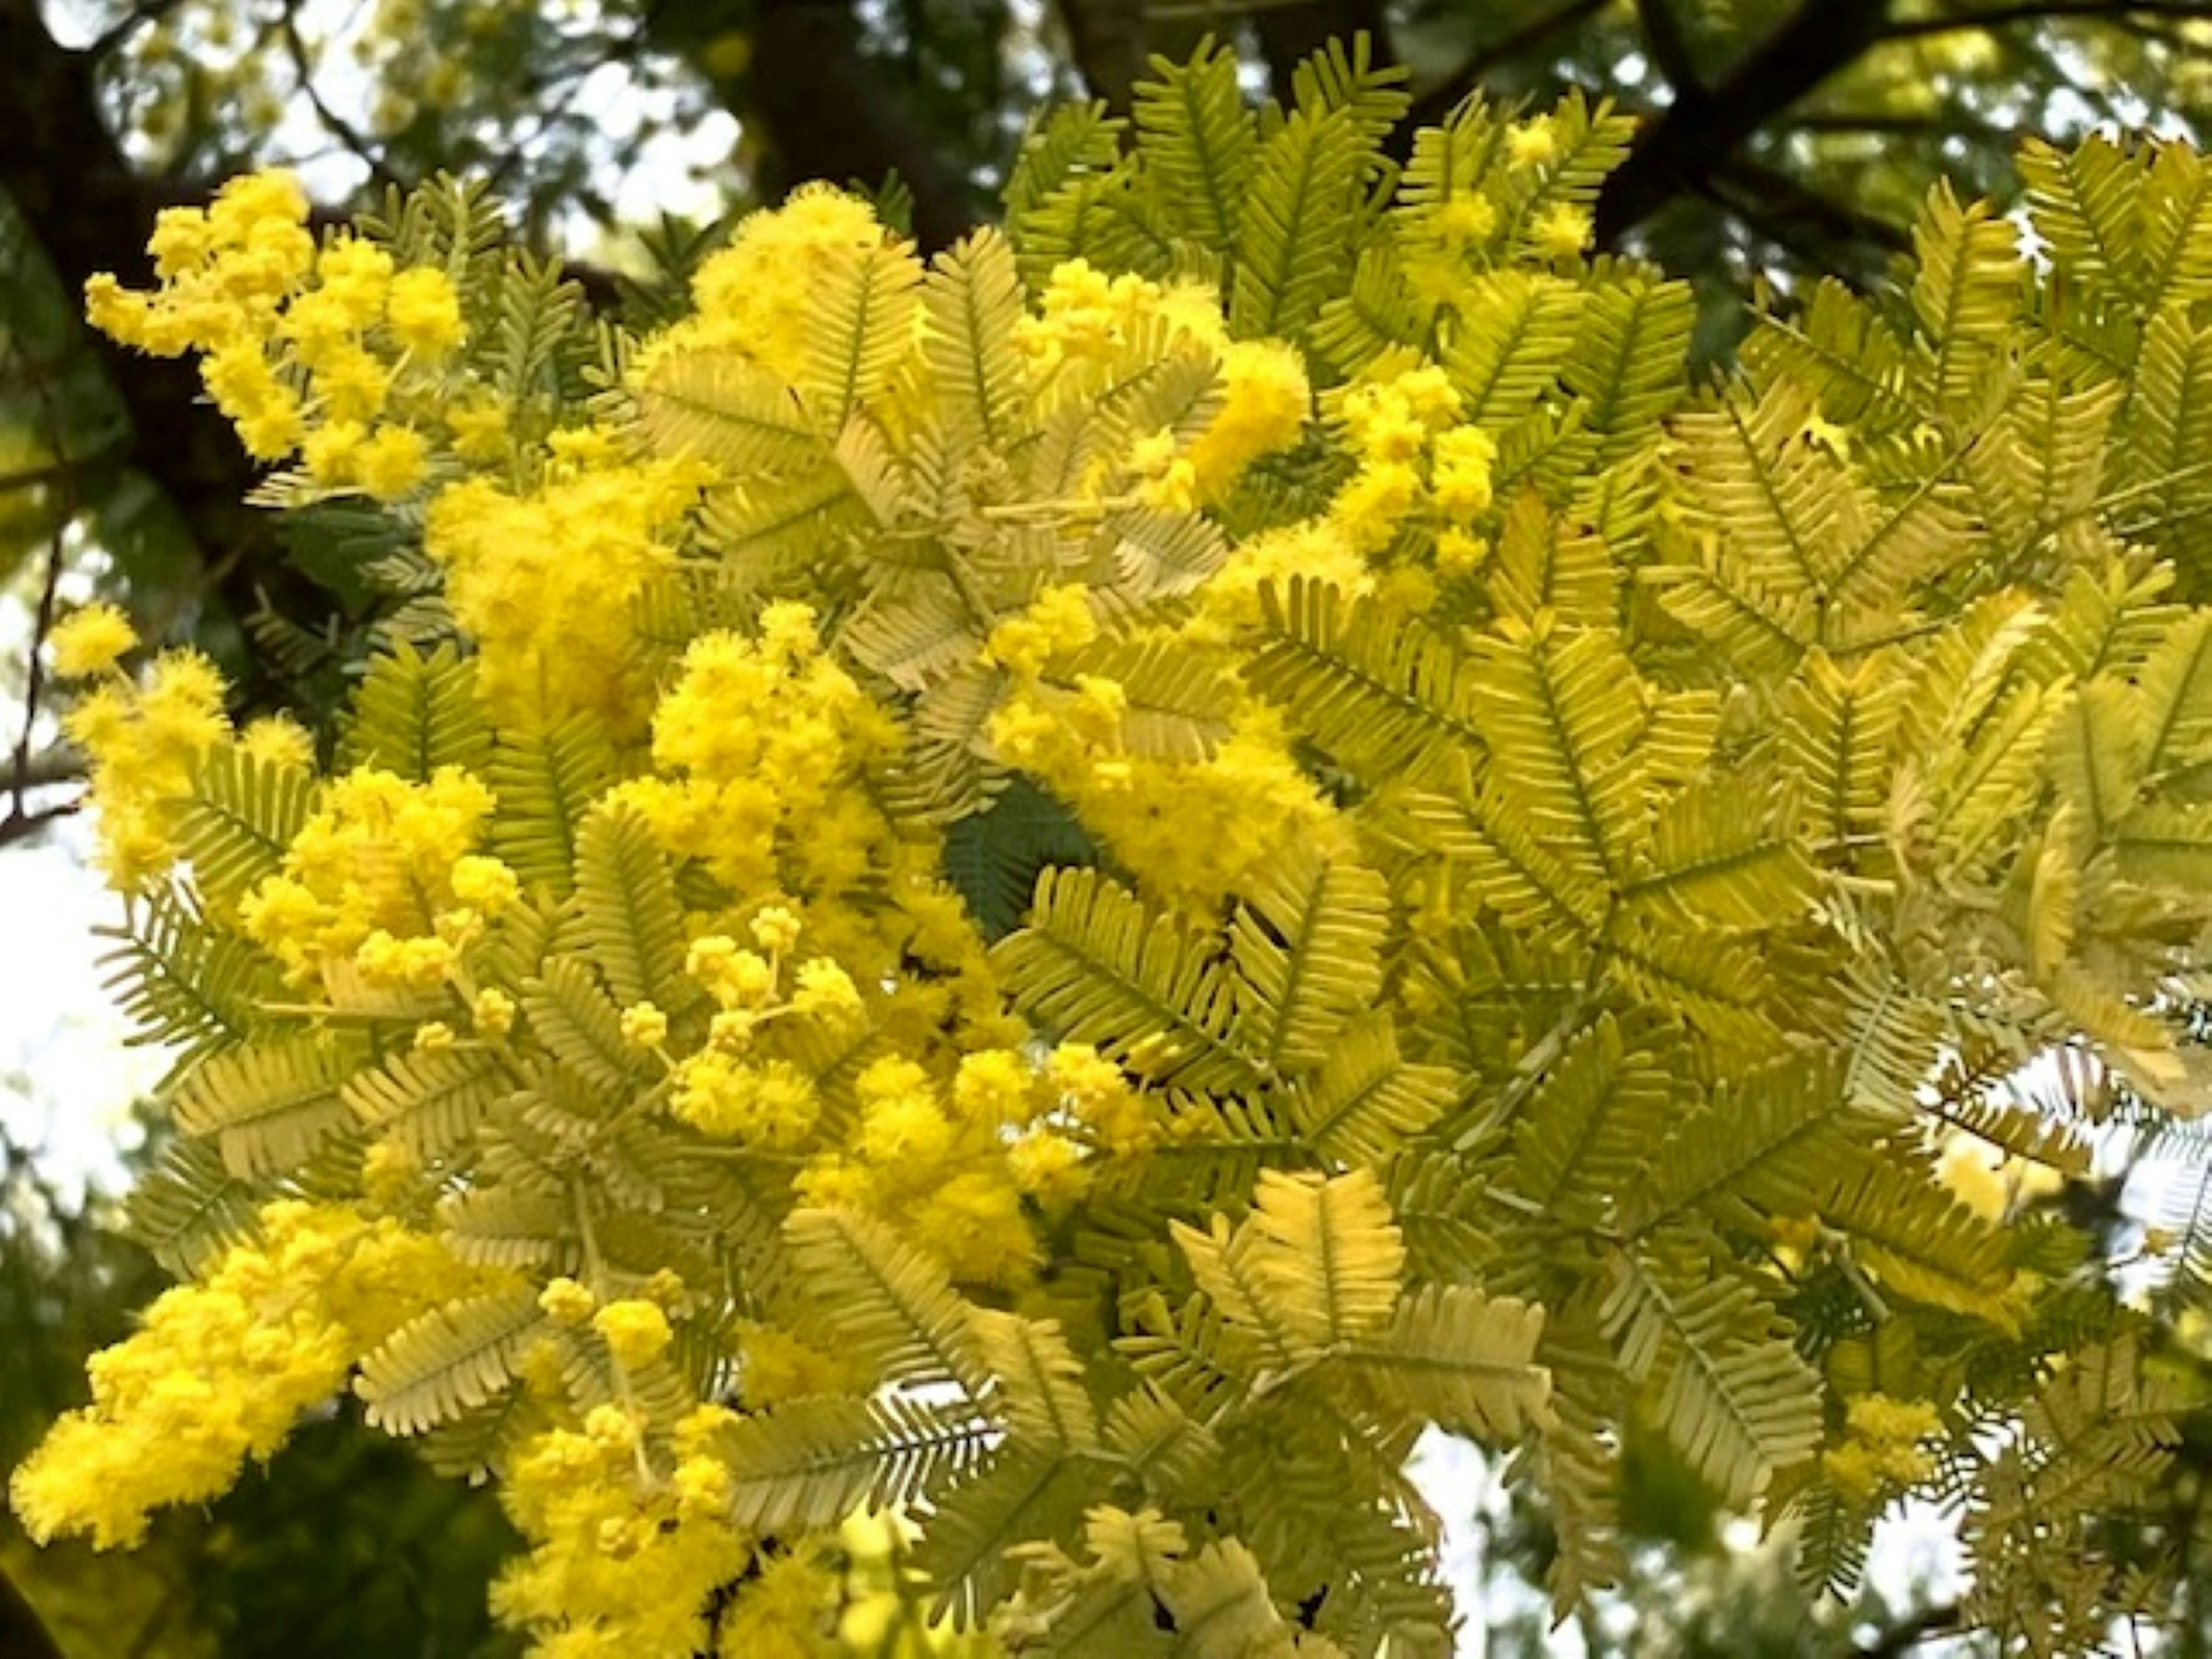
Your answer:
<point x="1689" y="140"/>
<point x="1431" y="107"/>
<point x="1930" y="1625"/>
<point x="1669" y="48"/>
<point x="21" y="1631"/>
<point x="830" y="113"/>
<point x="90" y="210"/>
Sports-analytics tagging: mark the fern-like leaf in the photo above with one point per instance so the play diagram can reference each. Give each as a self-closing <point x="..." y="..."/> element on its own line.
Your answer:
<point x="879" y="1298"/>
<point x="415" y="713"/>
<point x="1098" y="965"/>
<point x="1307" y="943"/>
<point x="453" y="1359"/>
<point x="269" y="1106"/>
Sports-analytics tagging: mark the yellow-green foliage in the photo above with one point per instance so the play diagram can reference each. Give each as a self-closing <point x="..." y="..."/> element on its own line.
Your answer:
<point x="1550" y="876"/>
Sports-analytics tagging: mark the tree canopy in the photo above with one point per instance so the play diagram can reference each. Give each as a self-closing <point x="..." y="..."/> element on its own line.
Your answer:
<point x="1773" y="137"/>
<point x="1073" y="877"/>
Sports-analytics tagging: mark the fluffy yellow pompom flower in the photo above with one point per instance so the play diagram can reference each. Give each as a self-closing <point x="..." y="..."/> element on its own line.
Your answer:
<point x="644" y="1026"/>
<point x="753" y="294"/>
<point x="567" y="1302"/>
<point x="391" y="462"/>
<point x="636" y="1332"/>
<point x="1057" y="622"/>
<point x="144" y="747"/>
<point x="1883" y="1451"/>
<point x="424" y="313"/>
<point x="772" y="1106"/>
<point x="219" y="1371"/>
<point x="91" y="641"/>
<point x="1460" y="475"/>
<point x="278" y="740"/>
<point x="826" y="990"/>
<point x="623" y="1560"/>
<point x="543" y="583"/>
<point x="1532" y="143"/>
<point x="493" y="1012"/>
<point x="775" y="929"/>
<point x="363" y="866"/>
<point x="1265" y="400"/>
<point x="1563" y="232"/>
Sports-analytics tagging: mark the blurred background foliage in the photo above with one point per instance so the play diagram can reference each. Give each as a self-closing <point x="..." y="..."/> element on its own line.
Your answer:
<point x="1779" y="139"/>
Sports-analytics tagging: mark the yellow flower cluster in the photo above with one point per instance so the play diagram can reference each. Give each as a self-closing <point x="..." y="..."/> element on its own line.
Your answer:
<point x="1883" y="1452"/>
<point x="952" y="1161"/>
<point x="628" y="1543"/>
<point x="636" y="1332"/>
<point x="91" y="641"/>
<point x="224" y="271"/>
<point x="142" y="744"/>
<point x="1055" y="623"/>
<point x="1193" y="830"/>
<point x="219" y="1371"/>
<point x="754" y="296"/>
<point x="1414" y="463"/>
<point x="760" y="744"/>
<point x="717" y="1091"/>
<point x="383" y="874"/>
<point x="543" y="583"/>
<point x="333" y="354"/>
<point x="937" y="1161"/>
<point x="790" y="1611"/>
<point x="1086" y="322"/>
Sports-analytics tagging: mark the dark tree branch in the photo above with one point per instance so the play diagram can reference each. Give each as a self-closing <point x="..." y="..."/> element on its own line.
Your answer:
<point x="357" y="143"/>
<point x="1669" y="48"/>
<point x="830" y="112"/>
<point x="21" y="1631"/>
<point x="1431" y="107"/>
<point x="90" y="210"/>
<point x="1766" y="196"/>
<point x="1107" y="39"/>
<point x="1680" y="150"/>
<point x="1288" y="35"/>
<point x="1930" y="1625"/>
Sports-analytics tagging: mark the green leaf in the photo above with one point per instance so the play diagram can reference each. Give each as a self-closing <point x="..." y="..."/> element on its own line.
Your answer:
<point x="239" y="820"/>
<point x="722" y="408"/>
<point x="1097" y="964"/>
<point x="1291" y="250"/>
<point x="431" y="1102"/>
<point x="807" y="1464"/>
<point x="1382" y="696"/>
<point x="546" y="779"/>
<point x="1460" y="1360"/>
<point x="269" y="1106"/>
<point x="1365" y="1101"/>
<point x="454" y="1359"/>
<point x="1025" y="1496"/>
<point x="1039" y="1381"/>
<point x="879" y="1298"/>
<point x="971" y="300"/>
<point x="187" y="1208"/>
<point x="631" y="923"/>
<point x="414" y="715"/>
<point x="860" y="322"/>
<point x="1307" y="943"/>
<point x="1198" y="143"/>
<point x="1733" y="1397"/>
